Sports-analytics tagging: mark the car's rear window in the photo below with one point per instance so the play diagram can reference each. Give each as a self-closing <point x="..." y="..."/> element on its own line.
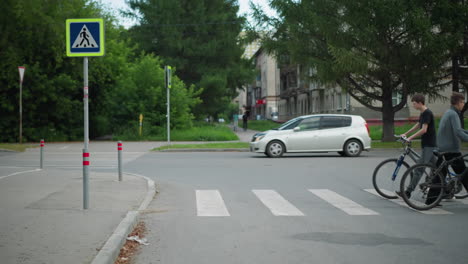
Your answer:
<point x="335" y="121"/>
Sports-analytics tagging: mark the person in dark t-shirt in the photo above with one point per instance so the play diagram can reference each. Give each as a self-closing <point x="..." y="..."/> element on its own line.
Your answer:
<point x="426" y="129"/>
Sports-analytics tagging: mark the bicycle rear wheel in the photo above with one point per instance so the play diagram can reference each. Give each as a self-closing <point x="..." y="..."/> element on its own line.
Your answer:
<point x="428" y="186"/>
<point x="462" y="193"/>
<point x="382" y="178"/>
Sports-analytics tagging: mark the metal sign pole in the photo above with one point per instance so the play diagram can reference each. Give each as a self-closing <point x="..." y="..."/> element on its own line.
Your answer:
<point x="21" y="114"/>
<point x="86" y="137"/>
<point x="85" y="38"/>
<point x="167" y="74"/>
<point x="21" y="70"/>
<point x="168" y="117"/>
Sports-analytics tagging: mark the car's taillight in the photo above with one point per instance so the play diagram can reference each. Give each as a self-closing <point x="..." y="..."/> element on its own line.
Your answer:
<point x="367" y="127"/>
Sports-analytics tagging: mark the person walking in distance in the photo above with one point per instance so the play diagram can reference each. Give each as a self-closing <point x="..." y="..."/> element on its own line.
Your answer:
<point x="426" y="129"/>
<point x="244" y="121"/>
<point x="449" y="137"/>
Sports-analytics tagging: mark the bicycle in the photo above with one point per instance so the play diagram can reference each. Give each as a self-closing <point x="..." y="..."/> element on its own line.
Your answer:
<point x="387" y="173"/>
<point x="431" y="181"/>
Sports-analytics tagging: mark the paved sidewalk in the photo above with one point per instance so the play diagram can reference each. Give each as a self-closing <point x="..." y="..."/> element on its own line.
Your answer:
<point x="245" y="136"/>
<point x="42" y="218"/>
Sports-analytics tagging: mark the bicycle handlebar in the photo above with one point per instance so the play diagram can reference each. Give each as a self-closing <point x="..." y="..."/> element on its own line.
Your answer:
<point x="402" y="139"/>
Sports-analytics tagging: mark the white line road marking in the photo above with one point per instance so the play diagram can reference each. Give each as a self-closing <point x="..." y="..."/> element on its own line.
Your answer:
<point x="16" y="173"/>
<point x="342" y="203"/>
<point x="276" y="203"/>
<point x="64" y="147"/>
<point x="210" y="203"/>
<point x="433" y="211"/>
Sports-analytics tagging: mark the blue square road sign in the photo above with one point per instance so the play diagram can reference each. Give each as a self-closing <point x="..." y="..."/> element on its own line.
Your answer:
<point x="85" y="37"/>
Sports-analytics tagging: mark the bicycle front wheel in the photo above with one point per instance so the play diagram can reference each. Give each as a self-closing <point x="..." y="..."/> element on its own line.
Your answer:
<point x="383" y="180"/>
<point x="425" y="186"/>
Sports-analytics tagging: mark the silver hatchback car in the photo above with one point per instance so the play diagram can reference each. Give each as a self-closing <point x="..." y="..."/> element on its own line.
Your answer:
<point x="346" y="134"/>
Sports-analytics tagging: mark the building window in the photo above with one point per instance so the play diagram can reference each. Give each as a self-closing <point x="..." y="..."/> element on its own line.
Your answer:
<point x="396" y="98"/>
<point x="339" y="104"/>
<point x="333" y="102"/>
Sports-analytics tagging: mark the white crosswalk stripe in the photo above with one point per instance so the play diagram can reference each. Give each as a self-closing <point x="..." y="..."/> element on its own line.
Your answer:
<point x="342" y="203"/>
<point x="433" y="211"/>
<point x="276" y="203"/>
<point x="210" y="203"/>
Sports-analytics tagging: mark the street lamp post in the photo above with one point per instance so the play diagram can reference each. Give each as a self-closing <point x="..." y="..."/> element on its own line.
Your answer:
<point x="21" y="70"/>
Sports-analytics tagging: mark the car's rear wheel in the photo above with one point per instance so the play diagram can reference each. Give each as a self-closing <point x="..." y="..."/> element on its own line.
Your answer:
<point x="275" y="149"/>
<point x="352" y="148"/>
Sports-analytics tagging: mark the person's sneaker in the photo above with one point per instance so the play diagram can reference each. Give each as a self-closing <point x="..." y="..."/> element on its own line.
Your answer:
<point x="407" y="193"/>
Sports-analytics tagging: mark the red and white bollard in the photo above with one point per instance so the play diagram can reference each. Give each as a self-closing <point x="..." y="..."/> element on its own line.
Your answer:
<point x="85" y="179"/>
<point x="119" y="151"/>
<point x="42" y="153"/>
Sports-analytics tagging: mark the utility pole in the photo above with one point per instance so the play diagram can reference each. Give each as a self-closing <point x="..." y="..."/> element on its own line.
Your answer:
<point x="167" y="75"/>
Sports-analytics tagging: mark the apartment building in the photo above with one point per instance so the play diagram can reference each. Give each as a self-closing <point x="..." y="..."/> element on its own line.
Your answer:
<point x="288" y="90"/>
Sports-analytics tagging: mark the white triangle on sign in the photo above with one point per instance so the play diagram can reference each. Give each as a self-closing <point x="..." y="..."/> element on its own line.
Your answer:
<point x="84" y="39"/>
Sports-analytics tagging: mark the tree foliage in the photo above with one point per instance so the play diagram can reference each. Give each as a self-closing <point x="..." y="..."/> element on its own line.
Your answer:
<point x="199" y="38"/>
<point x="372" y="49"/>
<point x="142" y="91"/>
<point x="33" y="35"/>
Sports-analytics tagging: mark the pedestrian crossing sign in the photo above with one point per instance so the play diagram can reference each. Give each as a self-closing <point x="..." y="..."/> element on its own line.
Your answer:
<point x="85" y="37"/>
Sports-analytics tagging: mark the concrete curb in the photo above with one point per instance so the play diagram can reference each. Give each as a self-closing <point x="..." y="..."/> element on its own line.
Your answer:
<point x="207" y="150"/>
<point x="111" y="249"/>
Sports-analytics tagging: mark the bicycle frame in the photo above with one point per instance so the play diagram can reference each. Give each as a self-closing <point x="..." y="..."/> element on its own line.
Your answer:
<point x="451" y="181"/>
<point x="408" y="151"/>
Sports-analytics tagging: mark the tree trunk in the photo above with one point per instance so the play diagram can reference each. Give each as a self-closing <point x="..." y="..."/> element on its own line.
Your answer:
<point x="456" y="82"/>
<point x="388" y="118"/>
<point x="455" y="74"/>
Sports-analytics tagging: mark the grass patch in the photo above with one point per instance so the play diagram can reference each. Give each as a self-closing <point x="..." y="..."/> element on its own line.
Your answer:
<point x="17" y="147"/>
<point x="260" y="125"/>
<point x="205" y="146"/>
<point x="377" y="130"/>
<point x="374" y="145"/>
<point x="198" y="133"/>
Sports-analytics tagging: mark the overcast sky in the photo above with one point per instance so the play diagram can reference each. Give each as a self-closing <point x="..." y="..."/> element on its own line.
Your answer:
<point x="244" y="8"/>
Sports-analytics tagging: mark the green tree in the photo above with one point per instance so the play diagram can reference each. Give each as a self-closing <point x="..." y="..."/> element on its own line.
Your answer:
<point x="200" y="39"/>
<point x="33" y="35"/>
<point x="451" y="17"/>
<point x="141" y="91"/>
<point x="372" y="49"/>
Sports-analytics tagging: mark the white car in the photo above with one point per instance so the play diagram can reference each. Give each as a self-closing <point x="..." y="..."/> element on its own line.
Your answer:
<point x="346" y="134"/>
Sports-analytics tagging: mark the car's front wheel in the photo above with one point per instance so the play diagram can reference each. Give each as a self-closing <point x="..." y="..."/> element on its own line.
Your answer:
<point x="352" y="148"/>
<point x="275" y="149"/>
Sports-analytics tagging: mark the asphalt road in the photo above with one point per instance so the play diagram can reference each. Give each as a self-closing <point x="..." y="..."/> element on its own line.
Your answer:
<point x="246" y="208"/>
